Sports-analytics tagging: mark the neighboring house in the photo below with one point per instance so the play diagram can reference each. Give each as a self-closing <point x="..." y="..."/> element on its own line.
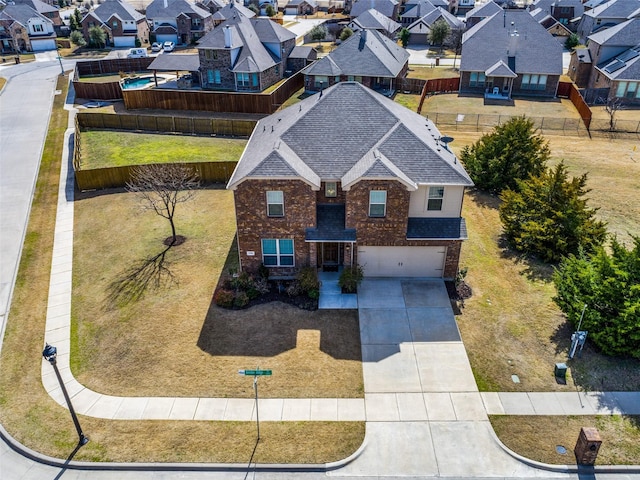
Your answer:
<point x="120" y="21"/>
<point x="212" y="5"/>
<point x="564" y="11"/>
<point x="244" y="54"/>
<point x="480" y="12"/>
<point x="509" y="54"/>
<point x="178" y="21"/>
<point x="374" y="20"/>
<point x="349" y="177"/>
<point x="555" y="28"/>
<point x="367" y="57"/>
<point x="22" y="29"/>
<point x="607" y="15"/>
<point x="416" y="11"/>
<point x="389" y="8"/>
<point x="610" y="59"/>
<point x="44" y="9"/>
<point x="301" y="7"/>
<point x="420" y="28"/>
<point x="300" y="57"/>
<point x="461" y="7"/>
<point x="231" y="10"/>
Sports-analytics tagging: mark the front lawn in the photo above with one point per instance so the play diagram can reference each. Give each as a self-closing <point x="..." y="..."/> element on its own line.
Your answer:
<point x="312" y="354"/>
<point x="105" y="148"/>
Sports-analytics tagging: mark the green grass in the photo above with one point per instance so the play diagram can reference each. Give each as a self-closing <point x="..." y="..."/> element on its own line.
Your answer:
<point x="427" y="73"/>
<point x="102" y="148"/>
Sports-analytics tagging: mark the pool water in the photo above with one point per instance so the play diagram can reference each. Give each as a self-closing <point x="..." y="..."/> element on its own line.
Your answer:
<point x="131" y="83"/>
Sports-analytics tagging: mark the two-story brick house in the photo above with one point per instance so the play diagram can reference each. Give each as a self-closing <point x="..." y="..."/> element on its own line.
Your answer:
<point x="348" y="176"/>
<point x="23" y="29"/>
<point x="122" y="24"/>
<point x="244" y="54"/>
<point x="178" y="21"/>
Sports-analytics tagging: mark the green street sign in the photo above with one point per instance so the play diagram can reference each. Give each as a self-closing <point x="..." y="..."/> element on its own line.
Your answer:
<point x="254" y="373"/>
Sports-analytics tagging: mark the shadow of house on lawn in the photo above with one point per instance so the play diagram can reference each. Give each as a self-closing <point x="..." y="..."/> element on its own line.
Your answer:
<point x="270" y="329"/>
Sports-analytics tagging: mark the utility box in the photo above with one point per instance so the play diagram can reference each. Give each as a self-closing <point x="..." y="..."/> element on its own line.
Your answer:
<point x="587" y="446"/>
<point x="560" y="371"/>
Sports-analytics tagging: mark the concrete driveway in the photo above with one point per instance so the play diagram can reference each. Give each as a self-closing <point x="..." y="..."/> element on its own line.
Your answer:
<point x="422" y="404"/>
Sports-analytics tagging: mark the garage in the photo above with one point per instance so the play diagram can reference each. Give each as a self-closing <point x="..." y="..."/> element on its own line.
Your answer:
<point x="167" y="37"/>
<point x="402" y="261"/>
<point x="124" y="41"/>
<point x="43" y="44"/>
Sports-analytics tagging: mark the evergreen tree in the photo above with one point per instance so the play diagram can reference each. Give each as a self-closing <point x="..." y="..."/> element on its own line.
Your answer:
<point x="346" y="33"/>
<point x="97" y="37"/>
<point x="609" y="286"/>
<point x="318" y="33"/>
<point x="76" y="38"/>
<point x="404" y="37"/>
<point x="512" y="151"/>
<point x="549" y="217"/>
<point x="440" y="30"/>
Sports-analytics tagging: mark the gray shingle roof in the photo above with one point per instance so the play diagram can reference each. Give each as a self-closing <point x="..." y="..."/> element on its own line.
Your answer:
<point x="386" y="7"/>
<point x="173" y="8"/>
<point x="624" y="34"/>
<point x="540" y="8"/>
<point x="37" y="5"/>
<point x="121" y="9"/>
<point x="345" y="133"/>
<point x="500" y="69"/>
<point x="511" y="33"/>
<point x="419" y="9"/>
<point x="330" y="221"/>
<point x="366" y="53"/>
<point x="615" y="9"/>
<point x="484" y="10"/>
<point x="440" y="13"/>
<point x="22" y="14"/>
<point x="233" y="9"/>
<point x="295" y="3"/>
<point x="625" y="66"/>
<point x="249" y="35"/>
<point x="373" y="19"/>
<point x="440" y="228"/>
<point x="302" y="52"/>
<point x="175" y="62"/>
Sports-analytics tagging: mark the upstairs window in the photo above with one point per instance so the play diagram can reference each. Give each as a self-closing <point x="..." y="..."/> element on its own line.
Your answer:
<point x="436" y="195"/>
<point x="275" y="203"/>
<point x="377" y="203"/>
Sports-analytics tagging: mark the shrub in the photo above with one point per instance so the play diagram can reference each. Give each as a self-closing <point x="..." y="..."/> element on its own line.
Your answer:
<point x="512" y="151"/>
<point x="77" y="39"/>
<point x="314" y="294"/>
<point x="262" y="286"/>
<point x="263" y="271"/>
<point x="308" y="279"/>
<point x="224" y="298"/>
<point x="350" y="278"/>
<point x="294" y="289"/>
<point x="549" y="217"/>
<point x="609" y="285"/>
<point x="572" y="41"/>
<point x="241" y="300"/>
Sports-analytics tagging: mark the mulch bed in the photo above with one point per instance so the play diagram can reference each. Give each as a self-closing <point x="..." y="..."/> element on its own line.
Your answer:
<point x="458" y="294"/>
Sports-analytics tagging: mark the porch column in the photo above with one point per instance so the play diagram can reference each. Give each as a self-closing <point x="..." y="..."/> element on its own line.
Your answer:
<point x="510" y="87"/>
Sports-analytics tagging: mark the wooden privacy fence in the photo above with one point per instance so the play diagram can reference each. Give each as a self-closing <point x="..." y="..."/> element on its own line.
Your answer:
<point x="113" y="177"/>
<point x="98" y="91"/>
<point x="438" y="85"/>
<point x="568" y="89"/>
<point x="115" y="65"/>
<point x="210" y="101"/>
<point x="166" y="124"/>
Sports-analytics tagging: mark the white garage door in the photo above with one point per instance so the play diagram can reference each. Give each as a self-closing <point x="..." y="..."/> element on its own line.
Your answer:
<point x="291" y="11"/>
<point x="124" y="41"/>
<point x="167" y="37"/>
<point x="44" y="44"/>
<point x="402" y="261"/>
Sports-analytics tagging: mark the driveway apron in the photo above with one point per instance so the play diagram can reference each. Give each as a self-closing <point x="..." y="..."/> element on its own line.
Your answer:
<point x="422" y="404"/>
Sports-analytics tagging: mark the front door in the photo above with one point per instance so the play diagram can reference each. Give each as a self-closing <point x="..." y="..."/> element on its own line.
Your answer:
<point x="330" y="255"/>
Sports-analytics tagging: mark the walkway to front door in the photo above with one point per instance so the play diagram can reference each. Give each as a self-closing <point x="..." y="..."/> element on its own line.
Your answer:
<point x="331" y="296"/>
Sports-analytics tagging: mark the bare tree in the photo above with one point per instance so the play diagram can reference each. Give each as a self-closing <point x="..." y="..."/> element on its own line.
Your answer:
<point x="612" y="106"/>
<point x="161" y="187"/>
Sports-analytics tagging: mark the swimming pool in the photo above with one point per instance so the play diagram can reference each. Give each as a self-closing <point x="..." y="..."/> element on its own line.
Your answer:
<point x="133" y="83"/>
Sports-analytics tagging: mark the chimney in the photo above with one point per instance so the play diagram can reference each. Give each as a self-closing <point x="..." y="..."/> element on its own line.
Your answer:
<point x="166" y="3"/>
<point x="228" y="37"/>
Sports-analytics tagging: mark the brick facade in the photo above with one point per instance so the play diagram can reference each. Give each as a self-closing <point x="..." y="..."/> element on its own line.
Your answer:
<point x="253" y="224"/>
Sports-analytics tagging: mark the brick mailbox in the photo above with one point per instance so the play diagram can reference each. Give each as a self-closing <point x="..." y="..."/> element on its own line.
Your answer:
<point x="588" y="445"/>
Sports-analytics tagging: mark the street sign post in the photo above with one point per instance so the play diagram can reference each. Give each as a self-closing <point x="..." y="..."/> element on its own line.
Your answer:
<point x="255" y="374"/>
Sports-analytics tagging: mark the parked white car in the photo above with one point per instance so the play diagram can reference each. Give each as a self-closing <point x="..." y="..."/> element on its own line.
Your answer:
<point x="156" y="47"/>
<point x="168" y="46"/>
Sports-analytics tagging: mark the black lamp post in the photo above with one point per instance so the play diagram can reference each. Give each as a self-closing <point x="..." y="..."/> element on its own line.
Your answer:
<point x="50" y="353"/>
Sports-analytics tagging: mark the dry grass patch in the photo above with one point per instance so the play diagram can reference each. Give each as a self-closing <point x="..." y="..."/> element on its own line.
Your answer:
<point x="536" y="437"/>
<point x="313" y="354"/>
<point x="427" y="73"/>
<point x="512" y="308"/>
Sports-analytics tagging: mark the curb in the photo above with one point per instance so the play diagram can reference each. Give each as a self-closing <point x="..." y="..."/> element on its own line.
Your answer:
<point x="579" y="469"/>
